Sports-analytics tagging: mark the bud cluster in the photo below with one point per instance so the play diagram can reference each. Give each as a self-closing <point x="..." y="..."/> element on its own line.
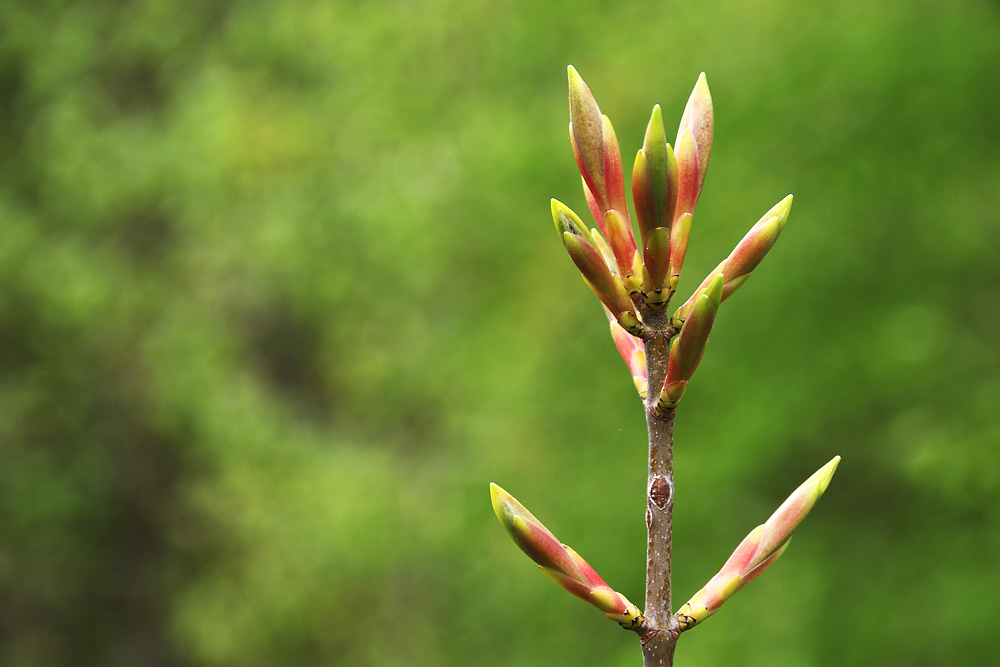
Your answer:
<point x="633" y="278"/>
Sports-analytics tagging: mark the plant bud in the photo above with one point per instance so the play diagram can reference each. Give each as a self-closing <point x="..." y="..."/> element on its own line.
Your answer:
<point x="758" y="550"/>
<point x="559" y="562"/>
<point x="747" y="255"/>
<point x="654" y="178"/>
<point x="694" y="146"/>
<point x="688" y="347"/>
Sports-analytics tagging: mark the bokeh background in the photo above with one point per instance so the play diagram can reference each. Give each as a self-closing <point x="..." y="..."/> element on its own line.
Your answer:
<point x="280" y="295"/>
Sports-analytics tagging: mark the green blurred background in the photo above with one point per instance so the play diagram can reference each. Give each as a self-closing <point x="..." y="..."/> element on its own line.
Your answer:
<point x="280" y="295"/>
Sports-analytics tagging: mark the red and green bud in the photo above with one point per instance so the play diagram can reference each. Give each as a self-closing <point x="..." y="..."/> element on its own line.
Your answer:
<point x="694" y="146"/>
<point x="758" y="551"/>
<point x="780" y="526"/>
<point x="595" y="147"/>
<point x="622" y="244"/>
<point x="656" y="261"/>
<point x="654" y="178"/>
<point x="530" y="535"/>
<point x="592" y="266"/>
<point x="595" y="209"/>
<point x="580" y="244"/>
<point x="755" y="245"/>
<point x="614" y="177"/>
<point x="561" y="563"/>
<point x="605" y="250"/>
<point x="747" y="255"/>
<point x="688" y="346"/>
<point x="686" y="155"/>
<point x="679" y="235"/>
<point x="642" y="194"/>
<point x="691" y="152"/>
<point x="586" y="132"/>
<point x="597" y="275"/>
<point x="633" y="351"/>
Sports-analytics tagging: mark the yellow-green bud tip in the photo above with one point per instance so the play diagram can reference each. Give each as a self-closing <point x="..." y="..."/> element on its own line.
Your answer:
<point x="557" y="207"/>
<point x="500" y="499"/>
<point x="825" y="474"/>
<point x="494" y="490"/>
<point x="657" y="115"/>
<point x="780" y="211"/>
<point x="576" y="82"/>
<point x="566" y="220"/>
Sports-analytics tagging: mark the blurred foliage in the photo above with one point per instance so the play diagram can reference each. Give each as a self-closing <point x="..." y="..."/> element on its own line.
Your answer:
<point x="279" y="295"/>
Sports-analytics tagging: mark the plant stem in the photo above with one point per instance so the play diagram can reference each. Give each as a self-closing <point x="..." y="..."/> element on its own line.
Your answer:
<point x="660" y="627"/>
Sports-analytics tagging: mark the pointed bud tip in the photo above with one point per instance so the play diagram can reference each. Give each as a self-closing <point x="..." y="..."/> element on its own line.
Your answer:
<point x="825" y="474"/>
<point x="499" y="498"/>
<point x="780" y="211"/>
<point x="573" y="76"/>
<point x="701" y="93"/>
<point x="575" y="80"/>
<point x="555" y="205"/>
<point x="785" y="204"/>
<point x="566" y="220"/>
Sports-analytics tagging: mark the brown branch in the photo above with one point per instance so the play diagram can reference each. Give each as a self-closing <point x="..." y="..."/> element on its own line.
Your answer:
<point x="659" y="630"/>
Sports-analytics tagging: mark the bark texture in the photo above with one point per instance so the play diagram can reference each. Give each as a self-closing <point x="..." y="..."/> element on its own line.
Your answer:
<point x="660" y="629"/>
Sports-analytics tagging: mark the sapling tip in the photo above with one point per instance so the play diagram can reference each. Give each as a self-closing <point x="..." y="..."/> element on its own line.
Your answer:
<point x="635" y="278"/>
